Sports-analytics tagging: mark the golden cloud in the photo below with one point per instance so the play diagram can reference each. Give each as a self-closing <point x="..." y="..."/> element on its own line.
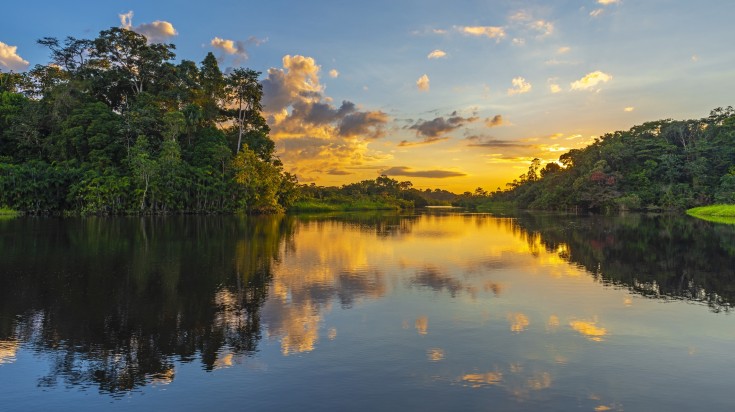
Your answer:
<point x="492" y="32"/>
<point x="591" y="80"/>
<point x="423" y="83"/>
<point x="333" y="73"/>
<point x="437" y="54"/>
<point x="312" y="135"/>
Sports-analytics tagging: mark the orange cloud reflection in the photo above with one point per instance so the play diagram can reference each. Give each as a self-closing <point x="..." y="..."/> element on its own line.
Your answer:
<point x="422" y="325"/>
<point x="589" y="329"/>
<point x="477" y="380"/>
<point x="518" y="322"/>
<point x="8" y="349"/>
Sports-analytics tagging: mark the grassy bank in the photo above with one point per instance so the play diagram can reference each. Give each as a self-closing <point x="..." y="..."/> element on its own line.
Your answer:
<point x="6" y="213"/>
<point x="714" y="213"/>
<point x="314" y="205"/>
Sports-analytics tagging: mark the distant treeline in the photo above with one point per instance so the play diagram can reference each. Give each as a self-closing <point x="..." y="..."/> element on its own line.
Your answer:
<point x="112" y="126"/>
<point x="661" y="165"/>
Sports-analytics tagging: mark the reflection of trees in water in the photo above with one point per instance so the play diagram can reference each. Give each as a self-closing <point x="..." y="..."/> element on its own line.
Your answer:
<point x="655" y="256"/>
<point x="114" y="302"/>
<point x="382" y="224"/>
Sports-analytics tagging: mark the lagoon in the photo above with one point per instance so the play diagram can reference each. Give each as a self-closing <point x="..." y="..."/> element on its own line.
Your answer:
<point x="435" y="310"/>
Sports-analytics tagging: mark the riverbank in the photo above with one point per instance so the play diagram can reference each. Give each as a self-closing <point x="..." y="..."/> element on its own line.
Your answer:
<point x="314" y="205"/>
<point x="714" y="213"/>
<point x="6" y="213"/>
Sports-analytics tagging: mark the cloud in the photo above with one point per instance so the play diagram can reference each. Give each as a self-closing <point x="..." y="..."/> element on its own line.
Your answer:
<point x="423" y="83"/>
<point x="333" y="73"/>
<point x="126" y="20"/>
<point x="366" y="124"/>
<point x="427" y="140"/>
<point x="229" y="46"/>
<point x="563" y="50"/>
<point x="434" y="174"/>
<point x="519" y="42"/>
<point x="608" y="2"/>
<point x="554" y="88"/>
<point x="157" y="32"/>
<point x="545" y="28"/>
<point x="9" y="58"/>
<point x="491" y="142"/>
<point x="520" y="15"/>
<point x="314" y="136"/>
<point x="494" y="121"/>
<point x="437" y="54"/>
<point x="337" y="172"/>
<point x="298" y="79"/>
<point x="597" y="12"/>
<point x="629" y="109"/>
<point x="440" y="126"/>
<point x="591" y="80"/>
<point x="520" y="86"/>
<point x="236" y="47"/>
<point x="492" y="32"/>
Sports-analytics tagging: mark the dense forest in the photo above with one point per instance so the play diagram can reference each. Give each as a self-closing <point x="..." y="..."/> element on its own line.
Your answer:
<point x="661" y="165"/>
<point x="112" y="126"/>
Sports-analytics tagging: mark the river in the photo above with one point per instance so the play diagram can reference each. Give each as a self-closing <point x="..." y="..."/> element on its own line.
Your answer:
<point x="436" y="310"/>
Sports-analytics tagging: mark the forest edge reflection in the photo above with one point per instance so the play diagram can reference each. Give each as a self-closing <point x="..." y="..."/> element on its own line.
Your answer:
<point x="115" y="303"/>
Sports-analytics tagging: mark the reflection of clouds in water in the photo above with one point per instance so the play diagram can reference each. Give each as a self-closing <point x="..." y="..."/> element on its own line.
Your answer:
<point x="433" y="278"/>
<point x="438" y="280"/>
<point x="332" y="334"/>
<point x="589" y="329"/>
<point x="163" y="378"/>
<point x="224" y="360"/>
<point x="422" y="325"/>
<point x="8" y="350"/>
<point x="478" y="380"/>
<point x="553" y="323"/>
<point x="435" y="354"/>
<point x="518" y="322"/>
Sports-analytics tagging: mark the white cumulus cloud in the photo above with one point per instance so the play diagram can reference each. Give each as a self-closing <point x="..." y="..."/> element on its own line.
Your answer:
<point x="520" y="86"/>
<point x="157" y="32"/>
<point x="9" y="58"/>
<point x="423" y="83"/>
<point x="437" y="54"/>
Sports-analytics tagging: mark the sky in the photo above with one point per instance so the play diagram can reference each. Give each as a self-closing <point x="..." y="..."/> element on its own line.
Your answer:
<point x="451" y="95"/>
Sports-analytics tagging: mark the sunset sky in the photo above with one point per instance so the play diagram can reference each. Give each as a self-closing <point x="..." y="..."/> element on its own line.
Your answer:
<point x="450" y="95"/>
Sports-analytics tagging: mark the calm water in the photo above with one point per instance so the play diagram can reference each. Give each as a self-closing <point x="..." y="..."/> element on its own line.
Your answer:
<point x="433" y="311"/>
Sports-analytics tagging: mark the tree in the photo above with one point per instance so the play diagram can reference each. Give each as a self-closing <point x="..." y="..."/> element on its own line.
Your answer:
<point x="144" y="168"/>
<point x="244" y="92"/>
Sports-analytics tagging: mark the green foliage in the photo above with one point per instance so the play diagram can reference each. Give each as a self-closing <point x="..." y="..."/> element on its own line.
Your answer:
<point x="383" y="193"/>
<point x="111" y="126"/>
<point x="661" y="165"/>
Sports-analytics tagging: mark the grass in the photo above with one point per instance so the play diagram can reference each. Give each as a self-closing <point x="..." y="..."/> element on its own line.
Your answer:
<point x="714" y="213"/>
<point x="6" y="213"/>
<point x="314" y="205"/>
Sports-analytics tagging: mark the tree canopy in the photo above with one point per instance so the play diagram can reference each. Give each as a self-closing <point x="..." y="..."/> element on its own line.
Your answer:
<point x="113" y="125"/>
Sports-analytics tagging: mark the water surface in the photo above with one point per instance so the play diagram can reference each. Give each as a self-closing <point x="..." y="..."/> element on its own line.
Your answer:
<point x="436" y="311"/>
